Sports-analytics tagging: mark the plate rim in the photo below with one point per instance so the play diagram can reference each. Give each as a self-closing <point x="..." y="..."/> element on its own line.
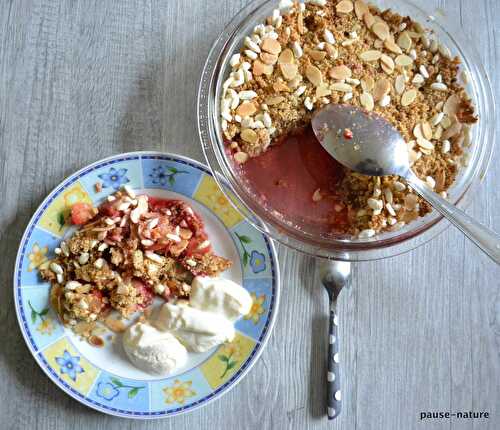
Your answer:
<point x="84" y="399"/>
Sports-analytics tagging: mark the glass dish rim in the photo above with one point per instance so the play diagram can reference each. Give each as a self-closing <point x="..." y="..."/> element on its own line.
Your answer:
<point x="343" y="249"/>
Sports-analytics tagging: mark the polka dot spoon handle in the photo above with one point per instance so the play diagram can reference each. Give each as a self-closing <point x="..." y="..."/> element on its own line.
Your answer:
<point x="333" y="376"/>
<point x="335" y="275"/>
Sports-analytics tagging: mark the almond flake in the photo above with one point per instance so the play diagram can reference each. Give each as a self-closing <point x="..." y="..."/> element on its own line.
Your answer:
<point x="314" y="75"/>
<point x="332" y="52"/>
<point x="286" y="57"/>
<point x="371" y="55"/>
<point x="275" y="100"/>
<point x="368" y="19"/>
<point x="367" y="83"/>
<point x="425" y="144"/>
<point x="404" y="60"/>
<point x="400" y="84"/>
<point x="404" y="41"/>
<point x="249" y="136"/>
<point x="339" y="86"/>
<point x="317" y="55"/>
<point x="366" y="101"/>
<point x="391" y="46"/>
<point x="382" y="87"/>
<point x="246" y="109"/>
<point x="426" y="130"/>
<point x="268" y="58"/>
<point x="381" y="30"/>
<point x="360" y="8"/>
<point x="270" y="45"/>
<point x="289" y="71"/>
<point x="340" y="72"/>
<point x="345" y="6"/>
<point x="450" y="107"/>
<point x="417" y="131"/>
<point x="259" y="68"/>
<point x="388" y="62"/>
<point x="408" y="97"/>
<point x="240" y="157"/>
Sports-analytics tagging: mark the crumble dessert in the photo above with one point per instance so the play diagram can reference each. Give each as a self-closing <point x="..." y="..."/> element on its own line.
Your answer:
<point x="307" y="55"/>
<point x="127" y="251"/>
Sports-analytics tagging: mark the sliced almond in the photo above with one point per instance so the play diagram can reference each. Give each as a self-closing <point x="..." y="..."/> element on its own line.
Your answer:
<point x="259" y="68"/>
<point x="366" y="101"/>
<point x="425" y="144"/>
<point x="323" y="91"/>
<point x="382" y="87"/>
<point x="367" y="83"/>
<point x="300" y="23"/>
<point x="286" y="57"/>
<point x="339" y="86"/>
<point x="271" y="45"/>
<point x="400" y="84"/>
<point x="381" y="30"/>
<point x="360" y="8"/>
<point x="426" y="130"/>
<point x="453" y="130"/>
<point x="409" y="97"/>
<point x="390" y="45"/>
<point x="438" y="133"/>
<point x="317" y="55"/>
<point x="388" y="62"/>
<point x="314" y="75"/>
<point x="404" y="41"/>
<point x="404" y="60"/>
<point x="371" y="55"/>
<point x="331" y="51"/>
<point x="249" y="136"/>
<point x="369" y="19"/>
<point x="289" y="71"/>
<point x="340" y="72"/>
<point x="246" y="109"/>
<point x="450" y="107"/>
<point x="268" y="58"/>
<point x="274" y="100"/>
<point x="345" y="6"/>
<point x="240" y="157"/>
<point x="417" y="132"/>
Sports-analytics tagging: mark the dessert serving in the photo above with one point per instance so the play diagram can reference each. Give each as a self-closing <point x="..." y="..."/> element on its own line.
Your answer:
<point x="139" y="291"/>
<point x="307" y="55"/>
<point x="129" y="250"/>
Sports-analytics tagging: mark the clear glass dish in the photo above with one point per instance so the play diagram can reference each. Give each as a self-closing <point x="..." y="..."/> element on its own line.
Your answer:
<point x="414" y="234"/>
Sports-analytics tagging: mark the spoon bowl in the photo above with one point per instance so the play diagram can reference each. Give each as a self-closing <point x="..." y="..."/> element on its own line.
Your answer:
<point x="368" y="144"/>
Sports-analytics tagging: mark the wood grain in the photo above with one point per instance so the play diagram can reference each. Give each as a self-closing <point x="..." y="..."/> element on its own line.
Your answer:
<point x="81" y="80"/>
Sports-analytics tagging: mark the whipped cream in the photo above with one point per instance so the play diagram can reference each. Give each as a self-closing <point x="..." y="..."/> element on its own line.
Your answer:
<point x="153" y="351"/>
<point x="207" y="320"/>
<point x="198" y="330"/>
<point x="221" y="296"/>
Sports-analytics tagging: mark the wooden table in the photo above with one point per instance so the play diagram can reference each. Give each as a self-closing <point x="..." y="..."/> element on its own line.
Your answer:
<point x="81" y="80"/>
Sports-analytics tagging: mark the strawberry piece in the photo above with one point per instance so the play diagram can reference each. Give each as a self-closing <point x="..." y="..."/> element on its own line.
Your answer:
<point x="81" y="213"/>
<point x="145" y="291"/>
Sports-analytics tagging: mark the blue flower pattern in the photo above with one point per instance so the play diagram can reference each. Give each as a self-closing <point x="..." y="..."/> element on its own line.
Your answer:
<point x="69" y="365"/>
<point x="115" y="178"/>
<point x="162" y="176"/>
<point x="257" y="262"/>
<point x="107" y="391"/>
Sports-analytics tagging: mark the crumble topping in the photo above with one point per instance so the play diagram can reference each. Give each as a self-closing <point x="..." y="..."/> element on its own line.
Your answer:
<point x="127" y="251"/>
<point x="307" y="55"/>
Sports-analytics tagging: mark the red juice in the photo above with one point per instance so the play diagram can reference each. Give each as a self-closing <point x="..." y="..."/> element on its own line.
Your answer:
<point x="285" y="178"/>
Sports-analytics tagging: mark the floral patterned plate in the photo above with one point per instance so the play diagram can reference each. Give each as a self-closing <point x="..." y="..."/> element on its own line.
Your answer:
<point x="103" y="378"/>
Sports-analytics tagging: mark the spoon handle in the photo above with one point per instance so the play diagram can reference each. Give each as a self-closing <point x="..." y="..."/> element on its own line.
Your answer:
<point x="333" y="375"/>
<point x="486" y="239"/>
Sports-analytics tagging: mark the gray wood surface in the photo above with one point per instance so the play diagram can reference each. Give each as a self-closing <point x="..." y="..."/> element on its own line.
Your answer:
<point x="81" y="80"/>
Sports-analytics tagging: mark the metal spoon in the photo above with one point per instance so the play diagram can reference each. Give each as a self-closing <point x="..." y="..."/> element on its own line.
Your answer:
<point x="334" y="275"/>
<point x="368" y="144"/>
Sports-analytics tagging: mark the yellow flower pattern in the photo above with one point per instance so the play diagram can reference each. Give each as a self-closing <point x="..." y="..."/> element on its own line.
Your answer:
<point x="179" y="392"/>
<point x="37" y="257"/>
<point x="46" y="326"/>
<point x="74" y="196"/>
<point x="210" y="195"/>
<point x="257" y="308"/>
